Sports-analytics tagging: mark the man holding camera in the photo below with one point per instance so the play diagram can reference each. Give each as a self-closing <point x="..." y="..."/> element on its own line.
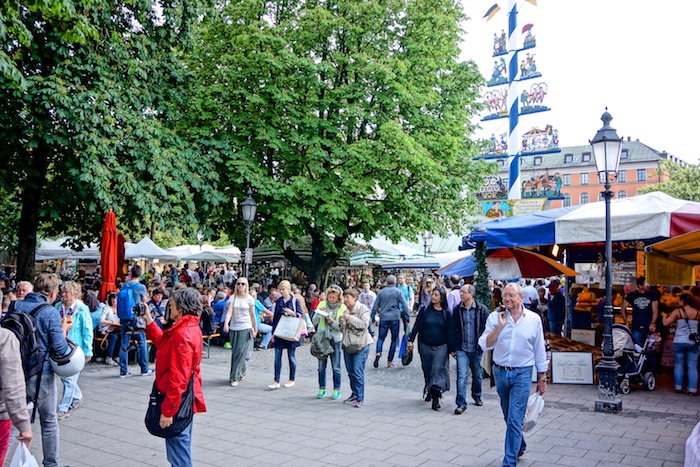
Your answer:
<point x="132" y="297"/>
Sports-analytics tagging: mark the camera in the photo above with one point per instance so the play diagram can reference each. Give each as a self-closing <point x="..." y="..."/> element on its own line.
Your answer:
<point x="140" y="310"/>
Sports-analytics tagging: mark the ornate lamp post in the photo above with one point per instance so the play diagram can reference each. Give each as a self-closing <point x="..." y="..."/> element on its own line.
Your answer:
<point x="200" y="239"/>
<point x="606" y="150"/>
<point x="248" y="209"/>
<point x="427" y="243"/>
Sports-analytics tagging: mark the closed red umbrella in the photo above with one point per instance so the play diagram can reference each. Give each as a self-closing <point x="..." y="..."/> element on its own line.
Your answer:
<point x="121" y="249"/>
<point x="108" y="255"/>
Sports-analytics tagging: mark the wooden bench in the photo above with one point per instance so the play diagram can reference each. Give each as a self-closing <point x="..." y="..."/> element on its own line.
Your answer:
<point x="97" y="341"/>
<point x="207" y="341"/>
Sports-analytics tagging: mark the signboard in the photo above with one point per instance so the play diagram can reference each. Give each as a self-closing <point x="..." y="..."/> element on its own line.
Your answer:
<point x="572" y="368"/>
<point x="500" y="208"/>
<point x="585" y="336"/>
<point x="248" y="256"/>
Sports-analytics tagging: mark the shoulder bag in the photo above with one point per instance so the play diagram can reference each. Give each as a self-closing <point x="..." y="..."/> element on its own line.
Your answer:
<point x="181" y="419"/>
<point x="693" y="336"/>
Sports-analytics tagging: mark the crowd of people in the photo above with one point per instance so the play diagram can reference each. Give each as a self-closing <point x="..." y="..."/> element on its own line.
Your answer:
<point x="174" y="313"/>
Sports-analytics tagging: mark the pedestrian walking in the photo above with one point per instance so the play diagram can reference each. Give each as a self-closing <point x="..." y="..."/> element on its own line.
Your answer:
<point x="517" y="340"/>
<point x="286" y="305"/>
<point x="240" y="324"/>
<point x="333" y="308"/>
<point x="356" y="344"/>
<point x="391" y="307"/>
<point x="431" y="327"/>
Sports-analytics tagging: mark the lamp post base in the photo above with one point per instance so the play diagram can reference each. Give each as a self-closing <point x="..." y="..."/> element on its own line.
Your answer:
<point x="607" y="401"/>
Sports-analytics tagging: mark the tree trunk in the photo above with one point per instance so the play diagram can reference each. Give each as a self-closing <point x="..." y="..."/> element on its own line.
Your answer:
<point x="29" y="218"/>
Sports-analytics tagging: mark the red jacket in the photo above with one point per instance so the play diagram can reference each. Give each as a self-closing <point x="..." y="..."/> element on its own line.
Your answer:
<point x="179" y="352"/>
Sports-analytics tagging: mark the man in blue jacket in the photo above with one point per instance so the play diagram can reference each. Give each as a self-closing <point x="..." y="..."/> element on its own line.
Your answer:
<point x="392" y="308"/>
<point x="51" y="334"/>
<point x="467" y="324"/>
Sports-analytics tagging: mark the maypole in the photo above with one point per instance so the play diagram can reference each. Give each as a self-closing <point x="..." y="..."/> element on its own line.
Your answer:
<point x="514" y="184"/>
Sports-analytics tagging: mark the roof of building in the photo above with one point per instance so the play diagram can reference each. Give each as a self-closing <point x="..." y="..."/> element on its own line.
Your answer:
<point x="632" y="151"/>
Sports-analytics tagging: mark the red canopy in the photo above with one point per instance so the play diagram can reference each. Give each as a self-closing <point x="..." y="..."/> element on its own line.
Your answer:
<point x="108" y="255"/>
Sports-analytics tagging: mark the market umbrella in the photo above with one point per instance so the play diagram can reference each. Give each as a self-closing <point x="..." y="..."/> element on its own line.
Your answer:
<point x="108" y="255"/>
<point x="121" y="249"/>
<point x="511" y="263"/>
<point x="210" y="256"/>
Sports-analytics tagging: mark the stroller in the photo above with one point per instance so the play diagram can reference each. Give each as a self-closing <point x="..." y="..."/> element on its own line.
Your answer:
<point x="632" y="360"/>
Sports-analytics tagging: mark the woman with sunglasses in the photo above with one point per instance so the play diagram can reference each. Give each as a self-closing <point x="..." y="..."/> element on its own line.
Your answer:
<point x="327" y="320"/>
<point x="241" y="327"/>
<point x="286" y="305"/>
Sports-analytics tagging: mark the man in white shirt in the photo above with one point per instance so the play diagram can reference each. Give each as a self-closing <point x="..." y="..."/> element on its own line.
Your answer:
<point x="530" y="294"/>
<point x="367" y="297"/>
<point x="521" y="329"/>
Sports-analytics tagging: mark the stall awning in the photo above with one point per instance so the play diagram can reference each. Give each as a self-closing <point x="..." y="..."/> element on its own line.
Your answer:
<point x="672" y="261"/>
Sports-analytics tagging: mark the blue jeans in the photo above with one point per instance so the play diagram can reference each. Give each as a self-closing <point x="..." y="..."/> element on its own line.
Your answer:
<point x="468" y="361"/>
<point x="639" y="336"/>
<point x="266" y="331"/>
<point x="686" y="356"/>
<point x="71" y="393"/>
<point x="555" y="327"/>
<point x="140" y="337"/>
<point x="46" y="407"/>
<point x="355" y="364"/>
<point x="513" y="388"/>
<point x="292" y="363"/>
<point x="178" y="448"/>
<point x="112" y="340"/>
<point x="335" y="365"/>
<point x="384" y="327"/>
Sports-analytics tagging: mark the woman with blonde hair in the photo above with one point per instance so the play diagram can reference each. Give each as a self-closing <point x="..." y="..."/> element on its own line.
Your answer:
<point x="241" y="327"/>
<point x="326" y="320"/>
<point x="286" y="305"/>
<point x="357" y="341"/>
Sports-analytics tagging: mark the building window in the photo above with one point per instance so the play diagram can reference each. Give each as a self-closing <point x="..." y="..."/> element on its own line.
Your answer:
<point x="625" y="154"/>
<point x="566" y="179"/>
<point x="538" y="160"/>
<point x="584" y="198"/>
<point x="568" y="158"/>
<point x="621" y="194"/>
<point x="641" y="175"/>
<point x="622" y="176"/>
<point x="584" y="179"/>
<point x="586" y="157"/>
<point x="567" y="200"/>
<point x="601" y="197"/>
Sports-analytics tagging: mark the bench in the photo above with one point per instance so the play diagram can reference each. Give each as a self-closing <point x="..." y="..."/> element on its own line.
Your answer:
<point x="97" y="341"/>
<point x="207" y="341"/>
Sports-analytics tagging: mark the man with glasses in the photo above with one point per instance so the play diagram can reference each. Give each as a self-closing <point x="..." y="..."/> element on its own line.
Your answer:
<point x="467" y="324"/>
<point x="517" y="340"/>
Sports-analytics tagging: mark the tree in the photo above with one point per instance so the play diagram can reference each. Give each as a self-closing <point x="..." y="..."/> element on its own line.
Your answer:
<point x="481" y="281"/>
<point x="681" y="181"/>
<point x="92" y="121"/>
<point x="347" y="118"/>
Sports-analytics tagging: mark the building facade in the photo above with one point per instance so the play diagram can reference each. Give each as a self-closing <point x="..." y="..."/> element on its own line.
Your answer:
<point x="569" y="177"/>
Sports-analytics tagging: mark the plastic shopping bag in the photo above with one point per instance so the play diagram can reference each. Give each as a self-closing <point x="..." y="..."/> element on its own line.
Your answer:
<point x="23" y="458"/>
<point x="535" y="404"/>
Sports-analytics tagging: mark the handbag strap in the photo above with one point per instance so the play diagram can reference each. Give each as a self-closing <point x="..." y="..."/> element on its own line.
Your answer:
<point x="686" y="319"/>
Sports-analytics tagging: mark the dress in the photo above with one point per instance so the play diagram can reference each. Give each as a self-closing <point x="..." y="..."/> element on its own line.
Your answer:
<point x="431" y="327"/>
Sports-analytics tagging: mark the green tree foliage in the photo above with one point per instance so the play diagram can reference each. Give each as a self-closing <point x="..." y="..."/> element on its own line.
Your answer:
<point x="681" y="181"/>
<point x="345" y="117"/>
<point x="481" y="279"/>
<point x="94" y="121"/>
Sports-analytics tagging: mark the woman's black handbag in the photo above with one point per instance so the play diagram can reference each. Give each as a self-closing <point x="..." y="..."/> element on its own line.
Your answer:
<point x="181" y="419"/>
<point x="407" y="356"/>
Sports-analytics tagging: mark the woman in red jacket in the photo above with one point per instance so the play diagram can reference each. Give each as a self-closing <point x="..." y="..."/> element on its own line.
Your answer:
<point x="178" y="355"/>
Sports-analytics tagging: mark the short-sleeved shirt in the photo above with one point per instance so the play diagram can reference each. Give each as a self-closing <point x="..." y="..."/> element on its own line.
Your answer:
<point x="641" y="306"/>
<point x="240" y="318"/>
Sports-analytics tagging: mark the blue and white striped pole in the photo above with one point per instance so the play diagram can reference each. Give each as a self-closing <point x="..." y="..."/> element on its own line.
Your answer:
<point x="514" y="184"/>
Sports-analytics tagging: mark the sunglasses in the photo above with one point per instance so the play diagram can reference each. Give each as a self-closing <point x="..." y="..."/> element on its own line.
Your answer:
<point x="241" y="283"/>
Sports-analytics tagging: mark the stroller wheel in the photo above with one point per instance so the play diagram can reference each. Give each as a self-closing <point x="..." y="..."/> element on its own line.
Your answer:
<point x="625" y="386"/>
<point x="650" y="381"/>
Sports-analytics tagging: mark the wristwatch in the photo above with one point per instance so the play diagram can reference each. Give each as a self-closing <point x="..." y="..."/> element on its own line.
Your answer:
<point x="543" y="378"/>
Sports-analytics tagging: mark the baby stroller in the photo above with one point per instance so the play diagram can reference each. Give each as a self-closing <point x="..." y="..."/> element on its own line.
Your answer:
<point x="632" y="360"/>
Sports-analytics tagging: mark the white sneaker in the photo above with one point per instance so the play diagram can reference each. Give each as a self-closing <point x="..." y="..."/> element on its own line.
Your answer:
<point x="234" y="384"/>
<point x="274" y="386"/>
<point x="111" y="362"/>
<point x="289" y="384"/>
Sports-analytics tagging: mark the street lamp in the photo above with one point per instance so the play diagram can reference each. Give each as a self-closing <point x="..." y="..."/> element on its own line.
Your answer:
<point x="248" y="208"/>
<point x="427" y="243"/>
<point x="606" y="150"/>
<point x="200" y="239"/>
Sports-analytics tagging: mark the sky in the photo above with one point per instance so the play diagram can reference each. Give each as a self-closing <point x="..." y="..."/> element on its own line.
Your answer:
<point x="635" y="57"/>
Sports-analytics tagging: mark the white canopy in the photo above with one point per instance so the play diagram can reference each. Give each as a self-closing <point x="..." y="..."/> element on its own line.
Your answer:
<point x="52" y="249"/>
<point x="211" y="256"/>
<point x="437" y="261"/>
<point x="147" y="249"/>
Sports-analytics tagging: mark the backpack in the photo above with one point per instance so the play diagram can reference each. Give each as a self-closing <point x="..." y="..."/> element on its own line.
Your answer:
<point x="125" y="301"/>
<point x="23" y="326"/>
<point x="206" y="321"/>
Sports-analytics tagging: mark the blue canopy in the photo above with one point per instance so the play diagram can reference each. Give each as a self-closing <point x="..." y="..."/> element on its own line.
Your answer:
<point x="518" y="231"/>
<point x="463" y="268"/>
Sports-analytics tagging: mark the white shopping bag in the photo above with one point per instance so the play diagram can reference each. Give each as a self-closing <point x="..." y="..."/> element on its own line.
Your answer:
<point x="23" y="458"/>
<point x="535" y="404"/>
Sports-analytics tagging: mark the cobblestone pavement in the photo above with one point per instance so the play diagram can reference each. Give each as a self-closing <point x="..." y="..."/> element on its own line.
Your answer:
<point x="251" y="425"/>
